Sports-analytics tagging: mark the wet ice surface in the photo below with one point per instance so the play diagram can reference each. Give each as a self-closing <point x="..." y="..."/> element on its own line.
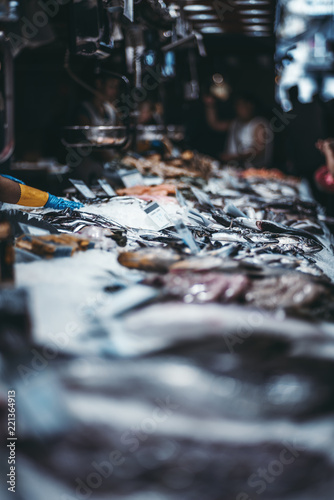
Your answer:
<point x="130" y="212"/>
<point x="198" y="400"/>
<point x="222" y="422"/>
<point x="66" y="294"/>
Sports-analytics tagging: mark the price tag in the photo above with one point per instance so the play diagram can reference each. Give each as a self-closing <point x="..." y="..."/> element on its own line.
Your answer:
<point x="106" y="187"/>
<point x="153" y="180"/>
<point x="131" y="178"/>
<point x="158" y="215"/>
<point x="181" y="199"/>
<point x="83" y="188"/>
<point x="186" y="236"/>
<point x="36" y="231"/>
<point x="202" y="197"/>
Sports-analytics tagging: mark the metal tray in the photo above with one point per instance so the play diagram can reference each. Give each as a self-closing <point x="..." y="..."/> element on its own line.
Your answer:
<point x="101" y="137"/>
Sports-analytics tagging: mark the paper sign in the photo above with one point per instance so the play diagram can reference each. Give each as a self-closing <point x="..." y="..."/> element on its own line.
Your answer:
<point x="131" y="178"/>
<point x="83" y="188"/>
<point x="106" y="187"/>
<point x="36" y="231"/>
<point x="158" y="215"/>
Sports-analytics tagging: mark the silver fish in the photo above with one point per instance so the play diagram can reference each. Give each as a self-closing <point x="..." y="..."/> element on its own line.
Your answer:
<point x="228" y="237"/>
<point x="248" y="223"/>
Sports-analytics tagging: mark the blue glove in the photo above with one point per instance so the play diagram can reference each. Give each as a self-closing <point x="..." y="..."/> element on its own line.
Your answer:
<point x="13" y="179"/>
<point x="61" y="204"/>
<point x="157" y="144"/>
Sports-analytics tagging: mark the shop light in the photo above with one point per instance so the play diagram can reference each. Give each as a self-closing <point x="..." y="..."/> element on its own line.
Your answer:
<point x="311" y="7"/>
<point x="258" y="33"/>
<point x="293" y="26"/>
<point x="174" y="10"/>
<point x="203" y="17"/>
<point x="327" y="92"/>
<point x="254" y="12"/>
<point x="308" y="87"/>
<point x="257" y="27"/>
<point x="256" y="20"/>
<point x="197" y="8"/>
<point x="252" y="2"/>
<point x="208" y="30"/>
<point x="218" y="79"/>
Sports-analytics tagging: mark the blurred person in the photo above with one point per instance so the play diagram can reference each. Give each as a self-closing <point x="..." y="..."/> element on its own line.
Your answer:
<point x="99" y="109"/>
<point x="151" y="114"/>
<point x="324" y="176"/>
<point x="147" y="113"/>
<point x="17" y="192"/>
<point x="208" y="122"/>
<point x="159" y="113"/>
<point x="211" y="113"/>
<point x="249" y="142"/>
<point x="306" y="124"/>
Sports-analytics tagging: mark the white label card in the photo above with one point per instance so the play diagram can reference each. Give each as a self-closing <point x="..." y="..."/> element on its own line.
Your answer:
<point x="158" y="215"/>
<point x="106" y="187"/>
<point x="35" y="231"/>
<point x="83" y="188"/>
<point x="132" y="178"/>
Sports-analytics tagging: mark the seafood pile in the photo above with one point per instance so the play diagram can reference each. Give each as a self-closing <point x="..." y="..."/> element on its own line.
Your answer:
<point x="261" y="230"/>
<point x="190" y="354"/>
<point x="53" y="245"/>
<point x="189" y="164"/>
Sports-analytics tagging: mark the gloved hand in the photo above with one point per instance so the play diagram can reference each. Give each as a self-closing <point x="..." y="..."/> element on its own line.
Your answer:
<point x="61" y="204"/>
<point x="13" y="179"/>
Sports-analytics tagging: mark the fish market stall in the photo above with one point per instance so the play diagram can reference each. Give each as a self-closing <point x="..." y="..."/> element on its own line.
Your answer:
<point x="166" y="263"/>
<point x="181" y="352"/>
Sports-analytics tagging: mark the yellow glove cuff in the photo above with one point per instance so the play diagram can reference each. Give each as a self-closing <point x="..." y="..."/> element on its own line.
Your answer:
<point x="31" y="197"/>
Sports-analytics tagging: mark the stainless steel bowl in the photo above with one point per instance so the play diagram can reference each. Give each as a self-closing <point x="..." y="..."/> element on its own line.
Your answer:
<point x="150" y="132"/>
<point x="176" y="133"/>
<point x="160" y="132"/>
<point x="101" y="137"/>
